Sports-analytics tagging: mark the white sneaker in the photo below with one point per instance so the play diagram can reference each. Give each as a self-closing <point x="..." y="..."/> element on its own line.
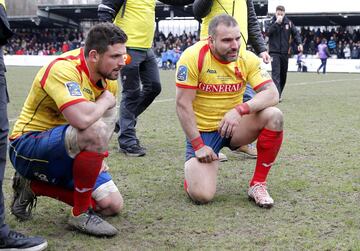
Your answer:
<point x="222" y="157"/>
<point x="260" y="195"/>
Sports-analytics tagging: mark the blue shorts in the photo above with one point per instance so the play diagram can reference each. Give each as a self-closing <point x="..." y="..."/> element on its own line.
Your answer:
<point x="43" y="156"/>
<point x="212" y="139"/>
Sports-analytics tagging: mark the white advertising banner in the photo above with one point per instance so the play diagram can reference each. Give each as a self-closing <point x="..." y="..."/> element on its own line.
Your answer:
<point x="318" y="6"/>
<point x="333" y="65"/>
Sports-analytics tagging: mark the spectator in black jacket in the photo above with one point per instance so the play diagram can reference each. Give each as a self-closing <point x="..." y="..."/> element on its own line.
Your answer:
<point x="281" y="30"/>
<point x="9" y="239"/>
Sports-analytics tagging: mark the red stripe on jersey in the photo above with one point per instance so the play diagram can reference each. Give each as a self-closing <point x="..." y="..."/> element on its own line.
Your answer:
<point x="262" y="84"/>
<point x="48" y="68"/>
<point x="72" y="102"/>
<point x="185" y="86"/>
<point x="83" y="65"/>
<point x="201" y="57"/>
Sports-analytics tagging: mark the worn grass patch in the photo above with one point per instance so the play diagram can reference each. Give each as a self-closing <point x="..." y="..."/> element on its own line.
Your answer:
<point x="315" y="182"/>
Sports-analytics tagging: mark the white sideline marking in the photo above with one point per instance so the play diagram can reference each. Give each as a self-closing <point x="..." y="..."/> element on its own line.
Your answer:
<point x="323" y="81"/>
<point x="164" y="100"/>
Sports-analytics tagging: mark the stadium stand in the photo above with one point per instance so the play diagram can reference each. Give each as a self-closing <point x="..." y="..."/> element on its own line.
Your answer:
<point x="50" y="27"/>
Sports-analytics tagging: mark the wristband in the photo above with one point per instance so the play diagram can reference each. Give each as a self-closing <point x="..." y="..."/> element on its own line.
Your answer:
<point x="243" y="109"/>
<point x="197" y="143"/>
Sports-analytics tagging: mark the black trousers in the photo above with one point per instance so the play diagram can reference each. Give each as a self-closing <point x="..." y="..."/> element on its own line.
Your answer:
<point x="140" y="85"/>
<point x="4" y="129"/>
<point x="279" y="65"/>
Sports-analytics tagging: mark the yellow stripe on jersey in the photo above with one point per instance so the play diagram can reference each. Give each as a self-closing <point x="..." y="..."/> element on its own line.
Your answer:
<point x="63" y="82"/>
<point x="26" y="158"/>
<point x="138" y="22"/>
<point x="219" y="86"/>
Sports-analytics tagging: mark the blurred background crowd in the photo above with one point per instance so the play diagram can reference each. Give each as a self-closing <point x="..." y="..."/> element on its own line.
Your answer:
<point x="342" y="43"/>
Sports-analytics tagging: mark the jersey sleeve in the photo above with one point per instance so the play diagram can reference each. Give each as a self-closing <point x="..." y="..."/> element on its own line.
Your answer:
<point x="257" y="75"/>
<point x="187" y="73"/>
<point x="113" y="87"/>
<point x="62" y="82"/>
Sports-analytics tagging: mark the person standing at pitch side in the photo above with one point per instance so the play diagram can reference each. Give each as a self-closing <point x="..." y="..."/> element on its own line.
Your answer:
<point x="280" y="31"/>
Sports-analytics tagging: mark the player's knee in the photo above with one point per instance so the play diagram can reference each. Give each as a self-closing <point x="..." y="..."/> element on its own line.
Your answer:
<point x="108" y="198"/>
<point x="96" y="136"/>
<point x="112" y="204"/>
<point x="201" y="196"/>
<point x="117" y="203"/>
<point x="276" y="118"/>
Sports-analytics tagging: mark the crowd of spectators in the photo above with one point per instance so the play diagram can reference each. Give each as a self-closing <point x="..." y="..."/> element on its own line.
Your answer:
<point x="341" y="43"/>
<point x="43" y="41"/>
<point x="168" y="48"/>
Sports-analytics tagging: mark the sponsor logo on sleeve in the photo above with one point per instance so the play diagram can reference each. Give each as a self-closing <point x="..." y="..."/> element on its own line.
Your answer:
<point x="73" y="89"/>
<point x="265" y="74"/>
<point x="182" y="73"/>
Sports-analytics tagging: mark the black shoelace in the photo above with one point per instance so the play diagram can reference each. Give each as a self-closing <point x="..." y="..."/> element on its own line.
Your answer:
<point x="93" y="217"/>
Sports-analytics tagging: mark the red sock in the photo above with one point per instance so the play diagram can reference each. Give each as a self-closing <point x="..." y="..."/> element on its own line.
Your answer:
<point x="86" y="169"/>
<point x="268" y="146"/>
<point x="41" y="188"/>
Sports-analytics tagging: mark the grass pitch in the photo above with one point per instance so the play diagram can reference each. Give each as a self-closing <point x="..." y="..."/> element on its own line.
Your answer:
<point x="315" y="182"/>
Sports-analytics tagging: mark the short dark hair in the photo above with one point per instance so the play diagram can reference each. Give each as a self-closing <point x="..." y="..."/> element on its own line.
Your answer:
<point x="224" y="19"/>
<point x="101" y="36"/>
<point x="280" y="8"/>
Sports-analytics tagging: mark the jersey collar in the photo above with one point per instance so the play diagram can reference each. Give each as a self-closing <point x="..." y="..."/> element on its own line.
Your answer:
<point x="84" y="68"/>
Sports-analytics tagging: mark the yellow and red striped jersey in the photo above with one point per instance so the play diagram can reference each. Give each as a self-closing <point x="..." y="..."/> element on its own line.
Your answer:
<point x="63" y="82"/>
<point x="219" y="85"/>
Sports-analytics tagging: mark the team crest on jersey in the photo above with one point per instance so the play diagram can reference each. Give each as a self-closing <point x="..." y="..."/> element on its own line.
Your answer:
<point x="238" y="73"/>
<point x="182" y="73"/>
<point x="73" y="88"/>
<point x="286" y="26"/>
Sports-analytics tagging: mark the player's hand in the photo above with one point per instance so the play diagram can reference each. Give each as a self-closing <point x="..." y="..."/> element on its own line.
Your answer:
<point x="265" y="57"/>
<point x="279" y="19"/>
<point x="206" y="154"/>
<point x="109" y="98"/>
<point x="228" y="123"/>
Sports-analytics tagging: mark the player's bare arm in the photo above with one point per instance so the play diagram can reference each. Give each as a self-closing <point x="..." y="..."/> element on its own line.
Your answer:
<point x="266" y="96"/>
<point x="185" y="112"/>
<point x="84" y="114"/>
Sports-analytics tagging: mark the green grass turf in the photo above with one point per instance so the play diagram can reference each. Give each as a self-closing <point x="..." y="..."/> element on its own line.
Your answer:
<point x="315" y="182"/>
